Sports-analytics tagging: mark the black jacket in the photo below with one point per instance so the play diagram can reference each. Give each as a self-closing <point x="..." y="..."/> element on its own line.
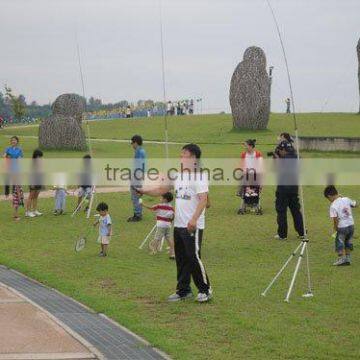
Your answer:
<point x="288" y="174"/>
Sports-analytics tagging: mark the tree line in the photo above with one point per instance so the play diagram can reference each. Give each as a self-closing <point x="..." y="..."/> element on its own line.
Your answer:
<point x="14" y="108"/>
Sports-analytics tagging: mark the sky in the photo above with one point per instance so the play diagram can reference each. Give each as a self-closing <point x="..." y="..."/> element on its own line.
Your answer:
<point x="204" y="40"/>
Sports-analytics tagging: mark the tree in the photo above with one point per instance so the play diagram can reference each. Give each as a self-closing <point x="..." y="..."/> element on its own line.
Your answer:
<point x="140" y="103"/>
<point x="5" y="108"/>
<point x="149" y="104"/>
<point x="17" y="103"/>
<point x="160" y="105"/>
<point x="122" y="104"/>
<point x="94" y="104"/>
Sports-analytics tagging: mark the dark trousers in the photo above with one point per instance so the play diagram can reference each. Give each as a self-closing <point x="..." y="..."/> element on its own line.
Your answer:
<point x="291" y="201"/>
<point x="188" y="262"/>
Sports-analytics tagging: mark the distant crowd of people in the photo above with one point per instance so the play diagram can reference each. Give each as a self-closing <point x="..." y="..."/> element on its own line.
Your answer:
<point x="10" y="121"/>
<point x="173" y="108"/>
<point x="185" y="107"/>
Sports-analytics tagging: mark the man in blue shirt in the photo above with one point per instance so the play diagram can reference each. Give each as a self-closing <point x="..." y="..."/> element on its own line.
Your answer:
<point x="137" y="178"/>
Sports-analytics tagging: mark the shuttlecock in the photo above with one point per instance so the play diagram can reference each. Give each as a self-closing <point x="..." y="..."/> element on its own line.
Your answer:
<point x="140" y="201"/>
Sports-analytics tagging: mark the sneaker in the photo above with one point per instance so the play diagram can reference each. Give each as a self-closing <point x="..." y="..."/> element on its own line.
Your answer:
<point x="277" y="237"/>
<point x="134" y="218"/>
<point x="37" y="213"/>
<point x="176" y="297"/>
<point x="348" y="259"/>
<point x="172" y="257"/>
<point x="30" y="214"/>
<point x="102" y="254"/>
<point x="202" y="297"/>
<point x="210" y="294"/>
<point x="341" y="262"/>
<point x="55" y="212"/>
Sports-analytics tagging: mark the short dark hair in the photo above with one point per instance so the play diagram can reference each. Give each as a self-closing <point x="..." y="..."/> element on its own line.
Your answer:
<point x="193" y="149"/>
<point x="87" y="156"/>
<point x="16" y="138"/>
<point x="102" y="207"/>
<point x="251" y="142"/>
<point x="287" y="137"/>
<point x="37" y="154"/>
<point x="137" y="139"/>
<point x="330" y="191"/>
<point x="168" y="196"/>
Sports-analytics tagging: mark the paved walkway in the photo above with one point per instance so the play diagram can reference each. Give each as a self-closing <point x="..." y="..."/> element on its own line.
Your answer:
<point x="37" y="322"/>
<point x="26" y="332"/>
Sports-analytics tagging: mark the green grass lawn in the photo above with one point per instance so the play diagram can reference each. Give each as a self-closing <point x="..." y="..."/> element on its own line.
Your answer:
<point x="213" y="132"/>
<point x="240" y="255"/>
<point x="214" y="128"/>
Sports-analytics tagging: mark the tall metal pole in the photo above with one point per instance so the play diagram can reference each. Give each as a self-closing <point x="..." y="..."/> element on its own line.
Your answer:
<point x="163" y="80"/>
<point x="83" y="90"/>
<point x="271" y="68"/>
<point x="93" y="189"/>
<point x="305" y="242"/>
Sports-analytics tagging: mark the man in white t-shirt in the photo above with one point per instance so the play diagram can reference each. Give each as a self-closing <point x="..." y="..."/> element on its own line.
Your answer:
<point x="191" y="198"/>
<point x="341" y="213"/>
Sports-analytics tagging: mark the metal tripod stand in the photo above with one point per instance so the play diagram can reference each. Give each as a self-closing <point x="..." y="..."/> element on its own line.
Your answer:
<point x="303" y="247"/>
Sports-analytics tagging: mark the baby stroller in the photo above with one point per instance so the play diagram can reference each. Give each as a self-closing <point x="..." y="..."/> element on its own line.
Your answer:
<point x="250" y="196"/>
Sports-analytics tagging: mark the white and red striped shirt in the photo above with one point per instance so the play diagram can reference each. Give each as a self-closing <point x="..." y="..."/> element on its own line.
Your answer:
<point x="164" y="214"/>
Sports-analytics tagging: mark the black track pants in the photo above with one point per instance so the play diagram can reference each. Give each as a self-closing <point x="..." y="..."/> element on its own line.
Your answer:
<point x="188" y="262"/>
<point x="291" y="201"/>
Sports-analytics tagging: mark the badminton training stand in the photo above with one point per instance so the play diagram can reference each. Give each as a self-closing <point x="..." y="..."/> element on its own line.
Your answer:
<point x="147" y="237"/>
<point x="304" y="251"/>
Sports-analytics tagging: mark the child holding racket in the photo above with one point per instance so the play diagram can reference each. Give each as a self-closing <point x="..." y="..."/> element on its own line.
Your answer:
<point x="164" y="217"/>
<point x="105" y="227"/>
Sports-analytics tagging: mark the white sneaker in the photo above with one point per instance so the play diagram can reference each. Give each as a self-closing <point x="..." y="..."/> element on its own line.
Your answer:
<point x="277" y="237"/>
<point x="30" y="214"/>
<point x="341" y="262"/>
<point x="202" y="297"/>
<point x="176" y="297"/>
<point x="37" y="213"/>
<point x="210" y="292"/>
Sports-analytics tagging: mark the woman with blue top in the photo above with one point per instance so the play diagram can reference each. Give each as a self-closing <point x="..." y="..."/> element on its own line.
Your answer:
<point x="12" y="153"/>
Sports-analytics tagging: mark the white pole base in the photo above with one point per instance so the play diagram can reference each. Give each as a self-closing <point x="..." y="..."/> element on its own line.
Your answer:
<point x="308" y="295"/>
